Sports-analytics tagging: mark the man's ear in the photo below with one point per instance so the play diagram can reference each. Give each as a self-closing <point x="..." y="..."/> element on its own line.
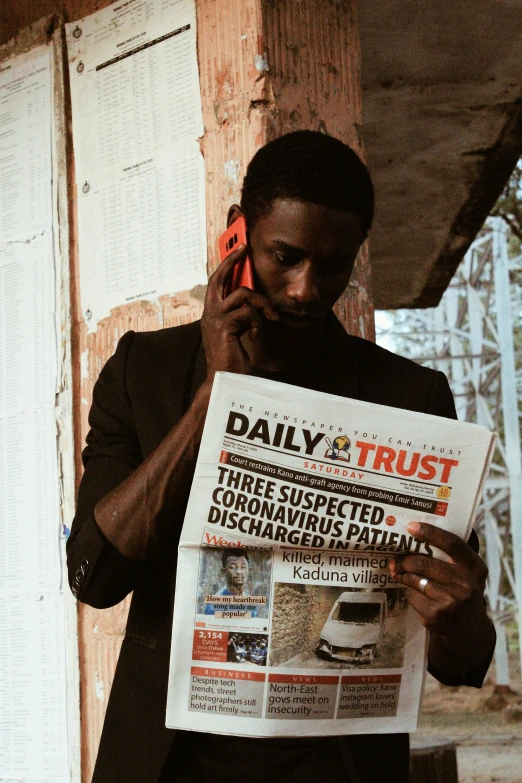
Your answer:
<point x="234" y="213"/>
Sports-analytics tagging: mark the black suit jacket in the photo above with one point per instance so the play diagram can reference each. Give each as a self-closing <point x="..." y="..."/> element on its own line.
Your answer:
<point x="141" y="393"/>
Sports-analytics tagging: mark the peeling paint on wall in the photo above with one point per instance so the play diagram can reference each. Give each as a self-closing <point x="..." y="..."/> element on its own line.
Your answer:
<point x="99" y="687"/>
<point x="260" y="62"/>
<point x="232" y="169"/>
<point x="84" y="365"/>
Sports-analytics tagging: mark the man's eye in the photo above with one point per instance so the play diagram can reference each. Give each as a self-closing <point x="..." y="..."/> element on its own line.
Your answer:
<point x="281" y="258"/>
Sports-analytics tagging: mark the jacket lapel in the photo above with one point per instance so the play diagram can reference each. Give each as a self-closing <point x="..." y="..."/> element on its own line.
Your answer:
<point x="337" y="372"/>
<point x="339" y="365"/>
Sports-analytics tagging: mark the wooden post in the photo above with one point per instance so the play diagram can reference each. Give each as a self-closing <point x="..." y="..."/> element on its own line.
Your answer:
<point x="268" y="68"/>
<point x="433" y="761"/>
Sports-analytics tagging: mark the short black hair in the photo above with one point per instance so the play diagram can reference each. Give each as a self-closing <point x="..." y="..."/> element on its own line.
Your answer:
<point x="307" y="166"/>
<point x="233" y="552"/>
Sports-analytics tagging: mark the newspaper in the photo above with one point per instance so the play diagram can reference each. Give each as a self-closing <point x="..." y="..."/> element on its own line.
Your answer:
<point x="286" y="620"/>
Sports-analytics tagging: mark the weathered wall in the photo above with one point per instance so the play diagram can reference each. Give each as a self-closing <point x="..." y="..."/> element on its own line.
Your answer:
<point x="16" y="16"/>
<point x="290" y="616"/>
<point x="300" y="612"/>
<point x="265" y="68"/>
<point x="314" y="81"/>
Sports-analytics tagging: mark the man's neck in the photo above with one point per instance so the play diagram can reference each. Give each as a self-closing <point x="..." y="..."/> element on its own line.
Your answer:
<point x="271" y="354"/>
<point x="236" y="590"/>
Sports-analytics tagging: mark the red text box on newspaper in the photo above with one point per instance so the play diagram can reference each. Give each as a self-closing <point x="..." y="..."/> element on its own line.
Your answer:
<point x="303" y="679"/>
<point x="230" y="674"/>
<point x="370" y="679"/>
<point x="210" y="646"/>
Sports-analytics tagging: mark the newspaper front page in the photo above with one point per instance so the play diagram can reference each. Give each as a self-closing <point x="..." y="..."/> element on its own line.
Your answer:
<point x="286" y="621"/>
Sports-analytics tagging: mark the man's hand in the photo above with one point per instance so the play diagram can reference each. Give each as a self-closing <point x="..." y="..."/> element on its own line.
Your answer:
<point x="227" y="318"/>
<point x="451" y="602"/>
<point x="452" y="588"/>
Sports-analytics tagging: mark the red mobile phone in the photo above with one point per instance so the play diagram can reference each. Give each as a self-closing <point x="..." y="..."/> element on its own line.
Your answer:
<point x="243" y="274"/>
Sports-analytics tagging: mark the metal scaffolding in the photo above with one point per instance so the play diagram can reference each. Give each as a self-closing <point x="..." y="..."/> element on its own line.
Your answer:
<point x="469" y="336"/>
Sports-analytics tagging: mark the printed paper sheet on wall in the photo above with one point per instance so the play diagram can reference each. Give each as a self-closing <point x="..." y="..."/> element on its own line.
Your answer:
<point x="139" y="170"/>
<point x="33" y="719"/>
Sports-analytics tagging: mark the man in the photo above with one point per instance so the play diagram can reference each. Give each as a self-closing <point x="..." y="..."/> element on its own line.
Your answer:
<point x="240" y="650"/>
<point x="308" y="203"/>
<point x="259" y="652"/>
<point x="235" y="571"/>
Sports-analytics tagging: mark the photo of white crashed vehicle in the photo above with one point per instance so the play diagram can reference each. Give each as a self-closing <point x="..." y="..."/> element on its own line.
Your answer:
<point x="354" y="628"/>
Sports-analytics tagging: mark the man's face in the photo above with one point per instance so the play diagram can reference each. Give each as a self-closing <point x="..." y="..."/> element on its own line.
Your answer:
<point x="303" y="256"/>
<point x="236" y="572"/>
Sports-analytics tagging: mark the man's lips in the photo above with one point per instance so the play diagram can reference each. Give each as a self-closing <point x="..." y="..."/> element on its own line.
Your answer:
<point x="302" y="319"/>
<point x="303" y="315"/>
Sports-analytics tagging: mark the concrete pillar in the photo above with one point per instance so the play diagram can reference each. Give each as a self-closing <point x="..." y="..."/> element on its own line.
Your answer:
<point x="267" y="68"/>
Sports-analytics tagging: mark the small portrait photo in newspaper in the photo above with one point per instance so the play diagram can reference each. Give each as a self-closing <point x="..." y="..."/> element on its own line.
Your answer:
<point x="234" y="587"/>
<point x="323" y="627"/>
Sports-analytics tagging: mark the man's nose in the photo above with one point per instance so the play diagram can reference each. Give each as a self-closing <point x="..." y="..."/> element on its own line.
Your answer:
<point x="303" y="286"/>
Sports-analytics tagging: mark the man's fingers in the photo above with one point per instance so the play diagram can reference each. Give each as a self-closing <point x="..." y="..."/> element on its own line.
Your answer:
<point x="457" y="589"/>
<point x="242" y="296"/>
<point x="239" y="321"/>
<point x="458" y="550"/>
<point x="423" y="565"/>
<point x="218" y="281"/>
<point x="431" y="589"/>
<point x="457" y="580"/>
<point x="437" y="590"/>
<point x="421" y="603"/>
<point x="437" y="610"/>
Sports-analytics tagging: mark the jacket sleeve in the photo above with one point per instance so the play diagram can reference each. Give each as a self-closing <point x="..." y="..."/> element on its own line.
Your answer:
<point x="98" y="574"/>
<point x="441" y="401"/>
<point x="441" y="404"/>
